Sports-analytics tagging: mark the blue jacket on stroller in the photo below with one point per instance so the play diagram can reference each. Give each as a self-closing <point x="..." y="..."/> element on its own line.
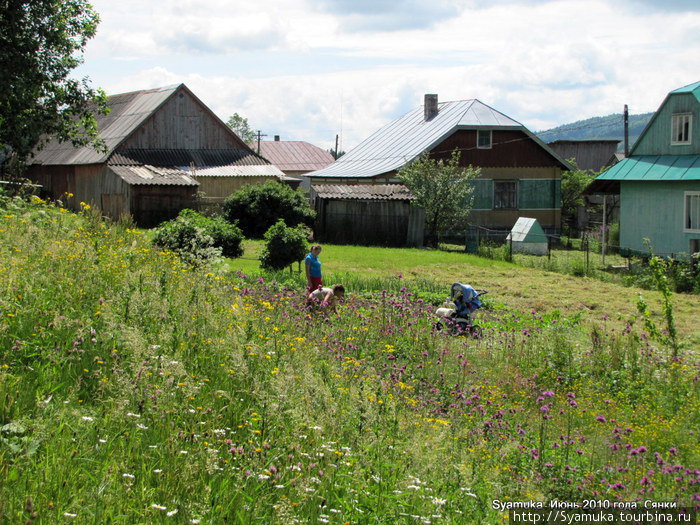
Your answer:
<point x="466" y="299"/>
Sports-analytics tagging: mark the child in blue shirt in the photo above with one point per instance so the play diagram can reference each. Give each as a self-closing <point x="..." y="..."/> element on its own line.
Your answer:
<point x="314" y="279"/>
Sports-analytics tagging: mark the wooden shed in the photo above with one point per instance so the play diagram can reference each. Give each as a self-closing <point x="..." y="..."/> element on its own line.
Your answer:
<point x="163" y="148"/>
<point x="528" y="237"/>
<point x="377" y="214"/>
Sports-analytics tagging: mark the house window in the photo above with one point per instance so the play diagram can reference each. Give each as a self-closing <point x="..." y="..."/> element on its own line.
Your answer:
<point x="483" y="139"/>
<point x="505" y="194"/>
<point x="681" y="124"/>
<point x="691" y="214"/>
<point x="694" y="246"/>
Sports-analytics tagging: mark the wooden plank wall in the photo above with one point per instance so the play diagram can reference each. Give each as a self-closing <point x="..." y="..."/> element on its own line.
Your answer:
<point x="384" y="223"/>
<point x="183" y="123"/>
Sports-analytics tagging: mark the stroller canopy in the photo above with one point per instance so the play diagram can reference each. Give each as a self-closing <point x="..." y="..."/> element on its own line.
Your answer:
<point x="465" y="297"/>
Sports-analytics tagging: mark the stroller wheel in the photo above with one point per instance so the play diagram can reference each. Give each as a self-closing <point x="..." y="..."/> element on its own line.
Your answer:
<point x="460" y="328"/>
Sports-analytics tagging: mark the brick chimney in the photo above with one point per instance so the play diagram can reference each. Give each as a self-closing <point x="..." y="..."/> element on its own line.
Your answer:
<point x="430" y="109"/>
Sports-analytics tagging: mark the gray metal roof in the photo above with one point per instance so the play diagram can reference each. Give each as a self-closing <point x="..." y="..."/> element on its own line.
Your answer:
<point x="407" y="137"/>
<point x="153" y="176"/>
<point x="127" y="112"/>
<point x="363" y="191"/>
<point x="206" y="163"/>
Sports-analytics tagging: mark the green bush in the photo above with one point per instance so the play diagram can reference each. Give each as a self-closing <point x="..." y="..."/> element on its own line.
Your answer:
<point x="192" y="232"/>
<point x="226" y="235"/>
<point x="258" y="207"/>
<point x="284" y="245"/>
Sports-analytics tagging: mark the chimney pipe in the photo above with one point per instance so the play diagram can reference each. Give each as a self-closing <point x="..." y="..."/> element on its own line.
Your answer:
<point x="277" y="138"/>
<point x="430" y="108"/>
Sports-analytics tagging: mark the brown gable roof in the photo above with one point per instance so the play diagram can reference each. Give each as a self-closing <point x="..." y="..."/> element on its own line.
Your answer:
<point x="290" y="155"/>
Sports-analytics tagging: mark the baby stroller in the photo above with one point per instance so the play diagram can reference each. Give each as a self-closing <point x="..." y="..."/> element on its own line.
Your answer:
<point x="457" y="315"/>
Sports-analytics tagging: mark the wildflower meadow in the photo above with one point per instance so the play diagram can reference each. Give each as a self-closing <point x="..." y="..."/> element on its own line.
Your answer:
<point x="135" y="388"/>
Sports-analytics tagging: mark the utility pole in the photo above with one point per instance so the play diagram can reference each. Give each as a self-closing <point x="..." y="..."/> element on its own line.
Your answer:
<point x="260" y="134"/>
<point x="626" y="120"/>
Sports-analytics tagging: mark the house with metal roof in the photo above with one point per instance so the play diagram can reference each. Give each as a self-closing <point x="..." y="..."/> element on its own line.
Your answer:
<point x="165" y="151"/>
<point x="659" y="183"/>
<point x="295" y="157"/>
<point x="520" y="174"/>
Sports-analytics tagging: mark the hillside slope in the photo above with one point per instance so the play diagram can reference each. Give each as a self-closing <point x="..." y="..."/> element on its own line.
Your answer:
<point x="609" y="127"/>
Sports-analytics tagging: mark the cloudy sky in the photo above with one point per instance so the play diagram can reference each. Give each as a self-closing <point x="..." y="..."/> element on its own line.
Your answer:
<point x="311" y="69"/>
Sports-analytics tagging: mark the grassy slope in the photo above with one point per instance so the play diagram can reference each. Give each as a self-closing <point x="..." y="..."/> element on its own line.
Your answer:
<point x="525" y="289"/>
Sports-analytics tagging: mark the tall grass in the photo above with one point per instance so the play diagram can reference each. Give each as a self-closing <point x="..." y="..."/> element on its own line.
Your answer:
<point x="136" y="389"/>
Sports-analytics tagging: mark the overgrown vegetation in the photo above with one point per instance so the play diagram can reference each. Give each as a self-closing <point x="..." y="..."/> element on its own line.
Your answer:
<point x="137" y="388"/>
<point x="255" y="208"/>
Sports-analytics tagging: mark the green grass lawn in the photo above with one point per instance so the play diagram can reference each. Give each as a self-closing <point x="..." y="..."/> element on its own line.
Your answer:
<point x="514" y="285"/>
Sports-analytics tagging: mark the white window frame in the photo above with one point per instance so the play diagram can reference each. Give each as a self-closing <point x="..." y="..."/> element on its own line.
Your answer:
<point x="687" y="196"/>
<point x="478" y="142"/>
<point x="678" y="122"/>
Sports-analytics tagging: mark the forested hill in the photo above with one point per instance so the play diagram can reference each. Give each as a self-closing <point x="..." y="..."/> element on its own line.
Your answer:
<point x="609" y="127"/>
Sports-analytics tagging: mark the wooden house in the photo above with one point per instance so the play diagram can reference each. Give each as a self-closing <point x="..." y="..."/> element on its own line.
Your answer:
<point x="520" y="174"/>
<point x="589" y="154"/>
<point x="659" y="183"/>
<point x="165" y="151"/>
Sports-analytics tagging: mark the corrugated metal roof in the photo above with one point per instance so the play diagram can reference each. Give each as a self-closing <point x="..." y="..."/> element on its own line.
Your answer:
<point x="291" y="155"/>
<point x="206" y="163"/>
<point x="127" y="112"/>
<point x="261" y="170"/>
<point x="153" y="176"/>
<point x="654" y="168"/>
<point x="363" y="191"/>
<point x="183" y="157"/>
<point x="407" y="137"/>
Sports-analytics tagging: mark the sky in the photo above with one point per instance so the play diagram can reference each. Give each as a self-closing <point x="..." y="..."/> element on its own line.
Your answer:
<point x="313" y="69"/>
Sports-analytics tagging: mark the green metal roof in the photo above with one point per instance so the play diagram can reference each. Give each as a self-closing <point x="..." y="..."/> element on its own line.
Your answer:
<point x="654" y="168"/>
<point x="690" y="88"/>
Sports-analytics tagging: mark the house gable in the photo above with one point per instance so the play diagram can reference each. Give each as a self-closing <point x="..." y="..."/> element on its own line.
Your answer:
<point x="182" y="121"/>
<point x="509" y="148"/>
<point x="657" y="138"/>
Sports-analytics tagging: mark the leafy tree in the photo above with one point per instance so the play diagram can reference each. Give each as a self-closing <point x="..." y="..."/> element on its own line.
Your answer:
<point x="573" y="184"/>
<point x="241" y="127"/>
<point x="336" y="154"/>
<point x="42" y="42"/>
<point x="443" y="189"/>
<point x="284" y="245"/>
<point x="257" y="207"/>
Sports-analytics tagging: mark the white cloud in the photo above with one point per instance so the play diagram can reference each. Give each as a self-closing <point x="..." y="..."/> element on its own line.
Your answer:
<point x="295" y="68"/>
